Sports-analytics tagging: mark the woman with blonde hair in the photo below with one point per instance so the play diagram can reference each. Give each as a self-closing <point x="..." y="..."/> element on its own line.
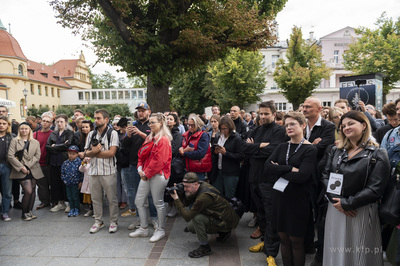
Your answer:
<point x="154" y="167"/>
<point x="24" y="155"/>
<point x="196" y="148"/>
<point x="355" y="177"/>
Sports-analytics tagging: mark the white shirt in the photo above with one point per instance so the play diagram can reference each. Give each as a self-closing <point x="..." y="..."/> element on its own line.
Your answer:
<point x="318" y="123"/>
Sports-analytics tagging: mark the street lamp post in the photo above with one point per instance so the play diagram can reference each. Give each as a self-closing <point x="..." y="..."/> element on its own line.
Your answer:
<point x="25" y="92"/>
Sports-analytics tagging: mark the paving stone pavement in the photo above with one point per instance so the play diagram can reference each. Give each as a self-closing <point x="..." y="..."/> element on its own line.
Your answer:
<point x="55" y="239"/>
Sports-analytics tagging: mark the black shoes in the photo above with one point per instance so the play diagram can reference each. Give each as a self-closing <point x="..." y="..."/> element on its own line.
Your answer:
<point x="17" y="205"/>
<point x="202" y="251"/>
<point x="223" y="236"/>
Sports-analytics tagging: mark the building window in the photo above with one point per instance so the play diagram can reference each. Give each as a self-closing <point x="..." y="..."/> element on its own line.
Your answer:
<point x="326" y="103"/>
<point x="140" y="94"/>
<point x="275" y="59"/>
<point x="46" y="91"/>
<point x="101" y="95"/>
<point x="114" y="95"/>
<point x="80" y="96"/>
<point x="45" y="75"/>
<point x="127" y="95"/>
<point x="263" y="61"/>
<point x="31" y="71"/>
<point x="58" y="93"/>
<point x="94" y="95"/>
<point x="134" y="94"/>
<point x="52" y="92"/>
<point x="336" y="56"/>
<point x="107" y="95"/>
<point x="40" y="106"/>
<point x="20" y="70"/>
<point x="120" y="95"/>
<point x="32" y="89"/>
<point x="39" y="89"/>
<point x="53" y="108"/>
<point x="280" y="106"/>
<point x="87" y="96"/>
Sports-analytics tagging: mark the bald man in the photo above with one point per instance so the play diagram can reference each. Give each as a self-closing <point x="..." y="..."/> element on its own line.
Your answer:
<point x="240" y="125"/>
<point x="321" y="133"/>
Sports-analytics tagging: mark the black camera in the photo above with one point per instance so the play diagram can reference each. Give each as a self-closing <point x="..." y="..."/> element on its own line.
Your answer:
<point x="179" y="188"/>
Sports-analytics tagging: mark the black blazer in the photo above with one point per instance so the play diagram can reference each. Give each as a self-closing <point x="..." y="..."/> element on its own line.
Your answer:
<point x="327" y="133"/>
<point x="232" y="158"/>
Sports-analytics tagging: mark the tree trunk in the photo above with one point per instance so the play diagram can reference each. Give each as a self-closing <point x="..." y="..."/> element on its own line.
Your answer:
<point x="158" y="96"/>
<point x="295" y="106"/>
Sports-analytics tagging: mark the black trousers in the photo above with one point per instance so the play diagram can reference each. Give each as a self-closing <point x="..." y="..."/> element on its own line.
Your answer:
<point x="58" y="190"/>
<point x="262" y="196"/>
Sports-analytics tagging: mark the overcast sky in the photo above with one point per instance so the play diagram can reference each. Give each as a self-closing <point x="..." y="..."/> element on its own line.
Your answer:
<point x="43" y="40"/>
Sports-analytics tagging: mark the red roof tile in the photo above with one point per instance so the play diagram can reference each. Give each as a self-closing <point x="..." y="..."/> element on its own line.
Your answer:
<point x="53" y="76"/>
<point x="66" y="68"/>
<point x="9" y="45"/>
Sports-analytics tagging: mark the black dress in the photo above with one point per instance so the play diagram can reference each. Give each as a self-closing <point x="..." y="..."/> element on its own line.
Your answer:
<point x="291" y="208"/>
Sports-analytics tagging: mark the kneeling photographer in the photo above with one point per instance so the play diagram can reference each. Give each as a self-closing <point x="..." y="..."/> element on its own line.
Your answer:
<point x="210" y="212"/>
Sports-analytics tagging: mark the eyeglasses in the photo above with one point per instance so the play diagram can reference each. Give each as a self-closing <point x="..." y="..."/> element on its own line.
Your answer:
<point x="152" y="123"/>
<point x="191" y="125"/>
<point x="224" y="128"/>
<point x="291" y="124"/>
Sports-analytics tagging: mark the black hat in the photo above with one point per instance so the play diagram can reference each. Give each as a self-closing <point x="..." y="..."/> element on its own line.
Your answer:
<point x="190" y="178"/>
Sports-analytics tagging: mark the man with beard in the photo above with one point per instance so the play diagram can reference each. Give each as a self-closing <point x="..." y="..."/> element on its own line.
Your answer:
<point x="103" y="171"/>
<point x="210" y="213"/>
<point x="135" y="136"/>
<point x="258" y="147"/>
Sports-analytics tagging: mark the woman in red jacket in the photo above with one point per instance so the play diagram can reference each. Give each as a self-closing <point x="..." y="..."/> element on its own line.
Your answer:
<point x="154" y="167"/>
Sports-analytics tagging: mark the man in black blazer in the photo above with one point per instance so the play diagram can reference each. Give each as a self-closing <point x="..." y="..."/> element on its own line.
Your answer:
<point x="321" y="133"/>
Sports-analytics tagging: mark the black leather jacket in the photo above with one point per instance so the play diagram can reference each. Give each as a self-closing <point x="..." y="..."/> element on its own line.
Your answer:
<point x="364" y="176"/>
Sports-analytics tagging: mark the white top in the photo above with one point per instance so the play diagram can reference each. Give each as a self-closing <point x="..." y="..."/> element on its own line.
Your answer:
<point x="100" y="166"/>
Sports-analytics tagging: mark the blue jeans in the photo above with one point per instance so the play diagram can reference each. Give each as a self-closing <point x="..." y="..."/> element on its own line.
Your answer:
<point x="131" y="180"/>
<point x="120" y="189"/>
<point x="73" y="196"/>
<point x="201" y="176"/>
<point x="226" y="184"/>
<point x="6" y="185"/>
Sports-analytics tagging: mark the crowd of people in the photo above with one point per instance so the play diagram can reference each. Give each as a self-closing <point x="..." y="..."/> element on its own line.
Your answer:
<point x="316" y="170"/>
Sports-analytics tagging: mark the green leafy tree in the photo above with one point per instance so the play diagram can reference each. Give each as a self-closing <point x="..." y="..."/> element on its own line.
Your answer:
<point x="302" y="72"/>
<point x="103" y="81"/>
<point x="65" y="109"/>
<point x="377" y="51"/>
<point x="160" y="38"/>
<point x="37" y="112"/>
<point x="188" y="94"/>
<point x="237" y="79"/>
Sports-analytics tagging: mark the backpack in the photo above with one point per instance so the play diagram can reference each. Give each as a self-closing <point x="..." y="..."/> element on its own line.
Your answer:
<point x="389" y="209"/>
<point x="236" y="204"/>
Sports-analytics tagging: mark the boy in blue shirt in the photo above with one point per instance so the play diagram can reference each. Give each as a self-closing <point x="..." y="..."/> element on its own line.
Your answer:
<point x="72" y="178"/>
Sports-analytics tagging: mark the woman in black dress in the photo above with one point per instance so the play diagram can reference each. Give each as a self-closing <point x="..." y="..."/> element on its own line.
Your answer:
<point x="290" y="167"/>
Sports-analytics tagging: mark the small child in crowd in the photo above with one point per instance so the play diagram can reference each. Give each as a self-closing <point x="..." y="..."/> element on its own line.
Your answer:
<point x="72" y="178"/>
<point x="85" y="189"/>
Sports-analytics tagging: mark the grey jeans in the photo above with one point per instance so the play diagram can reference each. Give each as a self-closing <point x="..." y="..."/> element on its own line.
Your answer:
<point x="156" y="186"/>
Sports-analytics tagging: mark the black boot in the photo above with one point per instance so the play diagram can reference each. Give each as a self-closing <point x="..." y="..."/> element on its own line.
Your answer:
<point x="202" y="251"/>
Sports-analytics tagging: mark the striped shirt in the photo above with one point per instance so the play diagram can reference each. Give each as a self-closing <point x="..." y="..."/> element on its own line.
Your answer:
<point x="101" y="166"/>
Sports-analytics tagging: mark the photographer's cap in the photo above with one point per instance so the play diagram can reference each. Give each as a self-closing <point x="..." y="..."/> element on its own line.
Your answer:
<point x="143" y="105"/>
<point x="73" y="148"/>
<point x="190" y="178"/>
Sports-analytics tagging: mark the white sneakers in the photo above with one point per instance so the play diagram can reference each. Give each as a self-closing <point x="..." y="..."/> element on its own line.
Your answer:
<point x="144" y="232"/>
<point x="96" y="227"/>
<point x="134" y="225"/>
<point x="58" y="207"/>
<point x="158" y="234"/>
<point x="113" y="227"/>
<point x="141" y="232"/>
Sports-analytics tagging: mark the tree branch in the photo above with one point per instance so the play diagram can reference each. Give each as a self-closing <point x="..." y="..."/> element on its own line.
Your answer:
<point x="116" y="20"/>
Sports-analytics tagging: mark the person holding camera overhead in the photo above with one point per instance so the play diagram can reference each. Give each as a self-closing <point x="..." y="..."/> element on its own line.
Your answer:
<point x="101" y="146"/>
<point x="154" y="167"/>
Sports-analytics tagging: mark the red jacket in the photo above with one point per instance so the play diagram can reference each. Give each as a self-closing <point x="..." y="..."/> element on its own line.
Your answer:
<point x="198" y="166"/>
<point x="155" y="158"/>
